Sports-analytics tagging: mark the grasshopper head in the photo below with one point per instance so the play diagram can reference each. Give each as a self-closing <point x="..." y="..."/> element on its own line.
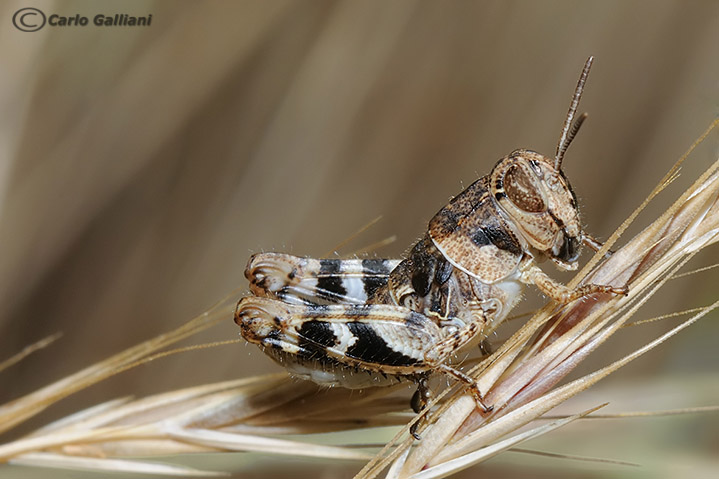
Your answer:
<point x="538" y="200"/>
<point x="532" y="190"/>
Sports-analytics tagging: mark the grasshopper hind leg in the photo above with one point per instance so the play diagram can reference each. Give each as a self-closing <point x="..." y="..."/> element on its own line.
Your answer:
<point x="309" y="281"/>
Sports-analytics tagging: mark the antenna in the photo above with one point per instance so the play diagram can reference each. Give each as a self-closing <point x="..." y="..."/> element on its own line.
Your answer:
<point x="569" y="131"/>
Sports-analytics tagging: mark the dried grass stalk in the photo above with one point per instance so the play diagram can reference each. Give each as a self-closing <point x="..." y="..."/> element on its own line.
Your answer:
<point x="520" y="379"/>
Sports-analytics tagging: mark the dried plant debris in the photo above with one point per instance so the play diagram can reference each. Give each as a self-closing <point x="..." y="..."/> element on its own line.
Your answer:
<point x="521" y="380"/>
<point x="520" y="377"/>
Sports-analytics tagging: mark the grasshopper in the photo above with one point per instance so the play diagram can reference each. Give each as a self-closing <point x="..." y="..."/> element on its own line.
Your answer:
<point x="358" y="323"/>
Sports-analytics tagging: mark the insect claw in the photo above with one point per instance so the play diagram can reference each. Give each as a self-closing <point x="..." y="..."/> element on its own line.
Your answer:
<point x="624" y="291"/>
<point x="480" y="401"/>
<point x="485" y="409"/>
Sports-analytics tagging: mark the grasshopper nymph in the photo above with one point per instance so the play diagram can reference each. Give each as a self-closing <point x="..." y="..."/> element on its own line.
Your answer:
<point x="359" y="323"/>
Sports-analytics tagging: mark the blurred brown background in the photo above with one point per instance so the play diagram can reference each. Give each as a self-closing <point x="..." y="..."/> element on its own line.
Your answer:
<point x="140" y="167"/>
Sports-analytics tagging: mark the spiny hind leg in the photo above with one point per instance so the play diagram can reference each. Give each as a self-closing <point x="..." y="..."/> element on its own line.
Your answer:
<point x="297" y="280"/>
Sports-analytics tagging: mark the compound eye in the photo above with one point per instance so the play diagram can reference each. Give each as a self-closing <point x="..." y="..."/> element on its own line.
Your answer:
<point x="524" y="189"/>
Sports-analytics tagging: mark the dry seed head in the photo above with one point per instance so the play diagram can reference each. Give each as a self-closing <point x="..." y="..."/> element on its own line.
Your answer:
<point x="521" y="376"/>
